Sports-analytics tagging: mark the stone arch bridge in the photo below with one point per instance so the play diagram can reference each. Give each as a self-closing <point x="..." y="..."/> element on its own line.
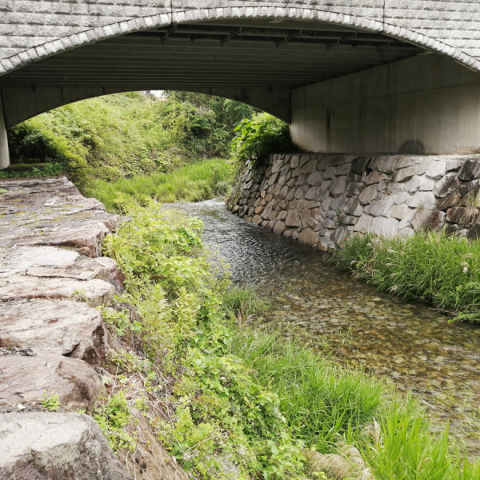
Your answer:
<point x="370" y="76"/>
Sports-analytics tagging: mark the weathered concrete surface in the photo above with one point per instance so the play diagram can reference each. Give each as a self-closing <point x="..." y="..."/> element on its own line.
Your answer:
<point x="328" y="197"/>
<point x="55" y="446"/>
<point x="28" y="379"/>
<point x="421" y="105"/>
<point x="52" y="212"/>
<point x="60" y="328"/>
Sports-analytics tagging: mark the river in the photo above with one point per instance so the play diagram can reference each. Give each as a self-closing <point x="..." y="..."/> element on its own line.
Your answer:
<point x="411" y="345"/>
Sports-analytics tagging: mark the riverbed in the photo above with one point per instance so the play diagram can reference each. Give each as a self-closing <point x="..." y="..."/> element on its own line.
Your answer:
<point x="410" y="345"/>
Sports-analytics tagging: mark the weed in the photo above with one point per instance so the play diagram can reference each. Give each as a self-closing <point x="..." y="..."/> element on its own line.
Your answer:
<point x="50" y="402"/>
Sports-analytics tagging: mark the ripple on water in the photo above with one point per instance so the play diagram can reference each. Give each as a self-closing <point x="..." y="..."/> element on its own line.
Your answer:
<point x="410" y="344"/>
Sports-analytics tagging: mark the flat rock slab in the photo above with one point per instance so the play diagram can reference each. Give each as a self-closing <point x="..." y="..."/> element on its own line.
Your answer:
<point x="33" y="215"/>
<point x="55" y="446"/>
<point x="51" y="262"/>
<point x="16" y="287"/>
<point x="28" y="379"/>
<point x="60" y="328"/>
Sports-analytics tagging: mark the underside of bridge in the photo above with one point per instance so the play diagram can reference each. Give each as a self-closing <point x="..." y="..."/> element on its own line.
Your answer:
<point x="341" y="89"/>
<point x="258" y="62"/>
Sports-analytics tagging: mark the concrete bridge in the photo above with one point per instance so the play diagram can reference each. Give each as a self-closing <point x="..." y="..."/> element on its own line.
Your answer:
<point x="371" y="76"/>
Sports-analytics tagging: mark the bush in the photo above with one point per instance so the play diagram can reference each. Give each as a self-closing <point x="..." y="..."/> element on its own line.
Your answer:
<point x="258" y="137"/>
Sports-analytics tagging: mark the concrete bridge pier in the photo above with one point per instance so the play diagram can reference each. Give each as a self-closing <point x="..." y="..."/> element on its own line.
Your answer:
<point x="4" y="153"/>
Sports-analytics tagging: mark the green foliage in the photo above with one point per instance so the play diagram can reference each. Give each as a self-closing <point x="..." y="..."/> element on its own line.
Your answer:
<point x="50" y="402"/>
<point x="126" y="135"/>
<point x="433" y="267"/>
<point x="113" y="416"/>
<point x="47" y="170"/>
<point x="242" y="301"/>
<point x="192" y="183"/>
<point x="120" y="320"/>
<point x="259" y="136"/>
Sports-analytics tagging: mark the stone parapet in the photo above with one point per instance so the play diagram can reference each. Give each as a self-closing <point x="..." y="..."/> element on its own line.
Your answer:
<point x="322" y="199"/>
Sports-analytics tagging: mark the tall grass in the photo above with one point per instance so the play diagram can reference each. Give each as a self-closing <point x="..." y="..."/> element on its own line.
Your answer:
<point x="323" y="404"/>
<point x="192" y="183"/>
<point x="433" y="267"/>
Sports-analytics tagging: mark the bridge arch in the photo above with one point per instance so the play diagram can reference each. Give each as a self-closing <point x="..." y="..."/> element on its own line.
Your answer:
<point x="124" y="27"/>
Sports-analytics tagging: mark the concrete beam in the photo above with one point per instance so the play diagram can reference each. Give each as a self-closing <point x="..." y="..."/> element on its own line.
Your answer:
<point x="4" y="153"/>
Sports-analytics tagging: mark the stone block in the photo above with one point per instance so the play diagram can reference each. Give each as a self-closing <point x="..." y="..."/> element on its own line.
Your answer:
<point x="344" y="169"/>
<point x="325" y="244"/>
<point x="294" y="162"/>
<point x="363" y="224"/>
<point x="308" y="236"/>
<point x="67" y="446"/>
<point x="387" y="227"/>
<point x="339" y="236"/>
<point x="279" y="227"/>
<point x="309" y="167"/>
<point x="447" y="185"/>
<point x="384" y="164"/>
<point x="329" y="173"/>
<point x="400" y="198"/>
<point x="405" y="174"/>
<point x="455" y="164"/>
<point x="324" y="162"/>
<point x="381" y="208"/>
<point x="315" y="178"/>
<point x="407" y="219"/>
<point x="375" y="177"/>
<point x="338" y="186"/>
<point x="449" y="201"/>
<point x="302" y="205"/>
<point x="305" y="218"/>
<point x="312" y="193"/>
<point x="26" y="379"/>
<point x="426" y="200"/>
<point x="470" y="170"/>
<point x="257" y="219"/>
<point x="465" y="216"/>
<point x="327" y="201"/>
<point x="293" y="219"/>
<point x="325" y="185"/>
<point x="428" y="220"/>
<point x="368" y="195"/>
<point x="329" y="224"/>
<point x="399" y="211"/>
<point x="71" y="329"/>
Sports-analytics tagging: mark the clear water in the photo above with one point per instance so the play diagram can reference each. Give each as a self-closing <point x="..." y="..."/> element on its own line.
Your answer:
<point x="411" y="345"/>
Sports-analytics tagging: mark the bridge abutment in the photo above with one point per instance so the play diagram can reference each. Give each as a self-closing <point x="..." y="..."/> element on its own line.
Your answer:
<point x="426" y="104"/>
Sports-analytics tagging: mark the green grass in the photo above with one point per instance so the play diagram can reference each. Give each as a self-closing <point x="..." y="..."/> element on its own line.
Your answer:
<point x="193" y="183"/>
<point x="324" y="404"/>
<point x="432" y="267"/>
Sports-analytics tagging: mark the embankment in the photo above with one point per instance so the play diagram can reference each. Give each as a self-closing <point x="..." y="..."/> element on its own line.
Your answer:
<point x="53" y="341"/>
<point x="319" y="199"/>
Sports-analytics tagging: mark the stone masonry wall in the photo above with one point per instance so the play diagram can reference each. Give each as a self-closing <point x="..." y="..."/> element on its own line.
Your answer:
<point x="320" y="199"/>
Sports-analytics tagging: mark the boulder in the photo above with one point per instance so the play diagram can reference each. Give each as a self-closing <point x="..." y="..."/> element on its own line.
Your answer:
<point x="27" y="379"/>
<point x="55" y="446"/>
<point x="61" y="328"/>
<point x="97" y="292"/>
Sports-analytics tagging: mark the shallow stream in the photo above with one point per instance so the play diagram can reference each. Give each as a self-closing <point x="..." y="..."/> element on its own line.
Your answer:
<point x="411" y="345"/>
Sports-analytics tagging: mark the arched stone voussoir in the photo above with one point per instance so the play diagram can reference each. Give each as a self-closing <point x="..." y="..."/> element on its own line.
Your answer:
<point x="222" y="12"/>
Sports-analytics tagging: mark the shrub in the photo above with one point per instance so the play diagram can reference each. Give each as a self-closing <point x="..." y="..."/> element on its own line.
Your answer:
<point x="258" y="137"/>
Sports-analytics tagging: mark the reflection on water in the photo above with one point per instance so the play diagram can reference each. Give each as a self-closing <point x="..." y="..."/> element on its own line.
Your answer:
<point x="410" y="344"/>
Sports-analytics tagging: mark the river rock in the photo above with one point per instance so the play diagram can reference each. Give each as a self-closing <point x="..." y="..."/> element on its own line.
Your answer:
<point x="61" y="328"/>
<point x="27" y="379"/>
<point x="55" y="446"/>
<point x="97" y="292"/>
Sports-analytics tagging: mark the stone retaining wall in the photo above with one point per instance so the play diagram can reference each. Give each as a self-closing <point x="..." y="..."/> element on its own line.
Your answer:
<point x="320" y="199"/>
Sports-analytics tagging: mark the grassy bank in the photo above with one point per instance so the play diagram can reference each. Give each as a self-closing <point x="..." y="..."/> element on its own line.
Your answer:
<point x="432" y="267"/>
<point x="126" y="135"/>
<point x="192" y="183"/>
<point x="224" y="398"/>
